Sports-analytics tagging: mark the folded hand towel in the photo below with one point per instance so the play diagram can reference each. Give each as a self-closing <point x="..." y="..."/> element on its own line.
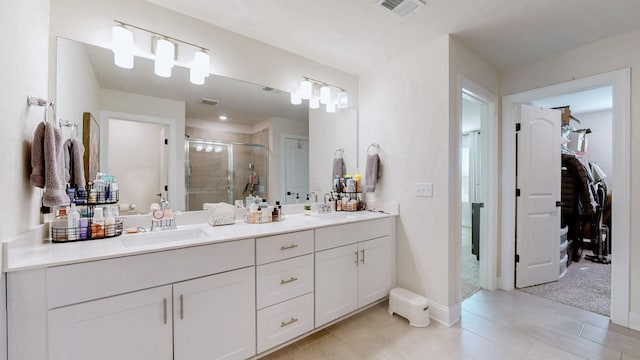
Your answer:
<point x="373" y="172"/>
<point x="37" y="157"/>
<point x="338" y="168"/>
<point x="77" y="159"/>
<point x="55" y="193"/>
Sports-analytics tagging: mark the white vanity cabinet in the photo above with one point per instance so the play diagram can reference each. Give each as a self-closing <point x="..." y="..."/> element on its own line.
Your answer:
<point x="284" y="285"/>
<point x="190" y="303"/>
<point x="355" y="266"/>
<point x="137" y="325"/>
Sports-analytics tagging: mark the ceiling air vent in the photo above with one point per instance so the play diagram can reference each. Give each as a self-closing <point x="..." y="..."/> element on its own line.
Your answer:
<point x="209" y="101"/>
<point x="401" y="8"/>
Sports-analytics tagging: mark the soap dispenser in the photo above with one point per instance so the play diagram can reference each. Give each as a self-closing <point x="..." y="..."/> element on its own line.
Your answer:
<point x="307" y="206"/>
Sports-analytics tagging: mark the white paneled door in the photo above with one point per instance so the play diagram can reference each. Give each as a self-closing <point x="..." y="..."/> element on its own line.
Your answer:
<point x="538" y="181"/>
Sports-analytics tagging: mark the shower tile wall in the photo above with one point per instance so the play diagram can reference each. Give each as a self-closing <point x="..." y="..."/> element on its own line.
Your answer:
<point x="208" y="180"/>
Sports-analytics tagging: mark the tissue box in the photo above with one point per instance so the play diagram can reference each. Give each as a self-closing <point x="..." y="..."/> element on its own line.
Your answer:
<point x="220" y="213"/>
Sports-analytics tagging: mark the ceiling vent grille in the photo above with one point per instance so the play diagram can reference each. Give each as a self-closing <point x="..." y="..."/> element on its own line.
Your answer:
<point x="401" y="8"/>
<point x="209" y="101"/>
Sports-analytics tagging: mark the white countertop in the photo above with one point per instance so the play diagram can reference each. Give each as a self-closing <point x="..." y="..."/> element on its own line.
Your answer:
<point x="31" y="252"/>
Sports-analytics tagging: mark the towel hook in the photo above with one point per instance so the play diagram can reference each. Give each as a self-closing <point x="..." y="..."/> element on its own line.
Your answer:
<point x="375" y="146"/>
<point x="36" y="101"/>
<point x="338" y="153"/>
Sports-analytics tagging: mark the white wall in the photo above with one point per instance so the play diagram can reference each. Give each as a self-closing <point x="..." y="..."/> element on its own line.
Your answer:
<point x="404" y="108"/>
<point x="24" y="29"/>
<point x="595" y="58"/>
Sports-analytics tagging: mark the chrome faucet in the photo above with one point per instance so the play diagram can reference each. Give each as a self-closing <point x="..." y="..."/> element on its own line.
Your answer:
<point x="325" y="207"/>
<point x="162" y="216"/>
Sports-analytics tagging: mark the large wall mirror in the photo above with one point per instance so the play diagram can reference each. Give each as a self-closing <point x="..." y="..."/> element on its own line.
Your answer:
<point x="154" y="131"/>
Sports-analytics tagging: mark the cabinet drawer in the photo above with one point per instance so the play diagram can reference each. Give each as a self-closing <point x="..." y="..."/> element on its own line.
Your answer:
<point x="70" y="284"/>
<point x="285" y="321"/>
<point x="339" y="235"/>
<point x="283" y="280"/>
<point x="278" y="247"/>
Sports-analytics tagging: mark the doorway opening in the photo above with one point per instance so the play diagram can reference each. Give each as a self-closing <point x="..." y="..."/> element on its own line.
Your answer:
<point x="474" y="113"/>
<point x="584" y="274"/>
<point x="620" y="181"/>
<point x="478" y="171"/>
<point x="295" y="169"/>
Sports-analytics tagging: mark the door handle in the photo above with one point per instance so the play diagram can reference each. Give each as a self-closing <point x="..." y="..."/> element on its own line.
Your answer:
<point x="356" y="254"/>
<point x="362" y="251"/>
<point x="164" y="304"/>
<point x="559" y="204"/>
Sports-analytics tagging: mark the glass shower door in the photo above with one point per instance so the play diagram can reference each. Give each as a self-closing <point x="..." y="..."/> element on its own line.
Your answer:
<point x="208" y="174"/>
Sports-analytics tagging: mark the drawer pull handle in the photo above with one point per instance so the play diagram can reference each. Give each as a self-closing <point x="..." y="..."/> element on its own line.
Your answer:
<point x="287" y="247"/>
<point x="287" y="323"/>
<point x="164" y="304"/>
<point x="362" y="251"/>
<point x="356" y="254"/>
<point x="282" y="282"/>
<point x="181" y="307"/>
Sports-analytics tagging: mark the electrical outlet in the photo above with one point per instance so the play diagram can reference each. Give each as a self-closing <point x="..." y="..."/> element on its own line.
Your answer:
<point x="424" y="189"/>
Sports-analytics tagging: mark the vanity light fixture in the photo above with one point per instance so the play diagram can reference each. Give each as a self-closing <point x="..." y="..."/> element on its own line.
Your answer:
<point x="165" y="49"/>
<point x="209" y="148"/>
<point x="223" y="117"/>
<point x="122" y="45"/>
<point x="318" y="92"/>
<point x="314" y="102"/>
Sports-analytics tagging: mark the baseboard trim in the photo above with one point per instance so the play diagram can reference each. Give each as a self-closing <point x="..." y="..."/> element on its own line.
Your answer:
<point x="634" y="320"/>
<point x="448" y="316"/>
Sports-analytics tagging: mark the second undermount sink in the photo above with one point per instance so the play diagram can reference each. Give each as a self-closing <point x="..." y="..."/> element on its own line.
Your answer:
<point x="347" y="215"/>
<point x="164" y="236"/>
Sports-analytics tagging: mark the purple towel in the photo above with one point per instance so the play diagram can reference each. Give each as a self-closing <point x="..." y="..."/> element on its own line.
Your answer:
<point x="67" y="160"/>
<point x="373" y="172"/>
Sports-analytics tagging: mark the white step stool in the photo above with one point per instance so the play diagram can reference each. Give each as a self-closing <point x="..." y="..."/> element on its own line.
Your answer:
<point x="409" y="305"/>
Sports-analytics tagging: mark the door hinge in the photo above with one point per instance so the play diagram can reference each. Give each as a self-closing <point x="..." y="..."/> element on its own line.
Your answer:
<point x="517" y="258"/>
<point x="166" y="141"/>
<point x="517" y="126"/>
<point x="517" y="192"/>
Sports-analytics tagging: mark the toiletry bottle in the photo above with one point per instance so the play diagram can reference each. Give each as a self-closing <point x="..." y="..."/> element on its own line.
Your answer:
<point x="280" y="213"/>
<point x="97" y="224"/>
<point x="358" y="178"/>
<point x="59" y="225"/>
<point x="109" y="223"/>
<point x="275" y="215"/>
<point x="338" y="203"/>
<point x="307" y="206"/>
<point x="73" y="222"/>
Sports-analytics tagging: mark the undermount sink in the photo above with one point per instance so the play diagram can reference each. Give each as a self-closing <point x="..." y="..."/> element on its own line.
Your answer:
<point x="339" y="215"/>
<point x="164" y="236"/>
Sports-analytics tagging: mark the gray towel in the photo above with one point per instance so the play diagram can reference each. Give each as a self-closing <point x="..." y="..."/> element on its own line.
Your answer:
<point x="67" y="160"/>
<point x="37" y="157"/>
<point x="55" y="193"/>
<point x="338" y="168"/>
<point x="373" y="172"/>
<point x="77" y="159"/>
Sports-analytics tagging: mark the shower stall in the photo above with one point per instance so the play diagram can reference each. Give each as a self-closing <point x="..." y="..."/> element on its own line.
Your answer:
<point x="224" y="171"/>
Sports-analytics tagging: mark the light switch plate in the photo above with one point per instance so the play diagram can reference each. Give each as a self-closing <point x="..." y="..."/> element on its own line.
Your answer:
<point x="424" y="189"/>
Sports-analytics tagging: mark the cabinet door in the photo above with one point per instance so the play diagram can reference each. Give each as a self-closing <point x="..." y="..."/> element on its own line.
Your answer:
<point x="136" y="326"/>
<point x="336" y="283"/>
<point x="375" y="271"/>
<point x="214" y="316"/>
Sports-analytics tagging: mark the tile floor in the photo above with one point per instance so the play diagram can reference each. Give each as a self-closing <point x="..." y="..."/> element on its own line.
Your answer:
<point x="495" y="325"/>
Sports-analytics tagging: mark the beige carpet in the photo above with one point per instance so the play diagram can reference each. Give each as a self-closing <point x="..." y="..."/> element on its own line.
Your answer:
<point x="587" y="286"/>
